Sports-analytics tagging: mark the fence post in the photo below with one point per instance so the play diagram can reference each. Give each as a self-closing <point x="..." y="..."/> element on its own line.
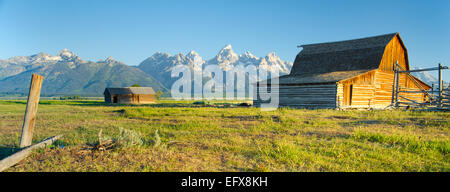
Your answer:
<point x="432" y="91"/>
<point x="394" y="67"/>
<point x="440" y="86"/>
<point x="31" y="110"/>
<point x="398" y="84"/>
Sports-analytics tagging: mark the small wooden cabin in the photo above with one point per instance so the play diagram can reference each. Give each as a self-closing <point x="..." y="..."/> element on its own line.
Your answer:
<point x="130" y="95"/>
<point x="355" y="73"/>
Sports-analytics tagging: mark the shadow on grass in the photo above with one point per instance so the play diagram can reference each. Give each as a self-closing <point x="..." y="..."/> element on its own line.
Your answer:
<point x="15" y="102"/>
<point x="328" y="135"/>
<point x="102" y="103"/>
<point x="75" y="103"/>
<point x="6" y="151"/>
<point x="63" y="102"/>
<point x="155" y="105"/>
<point x="362" y="122"/>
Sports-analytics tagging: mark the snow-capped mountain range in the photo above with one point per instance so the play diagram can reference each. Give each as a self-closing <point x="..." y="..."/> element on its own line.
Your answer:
<point x="67" y="73"/>
<point x="160" y="64"/>
<point x="19" y="64"/>
<point x="227" y="58"/>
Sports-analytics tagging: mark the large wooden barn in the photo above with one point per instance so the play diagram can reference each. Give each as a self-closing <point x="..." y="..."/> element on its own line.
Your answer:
<point x="355" y="73"/>
<point x="130" y="95"/>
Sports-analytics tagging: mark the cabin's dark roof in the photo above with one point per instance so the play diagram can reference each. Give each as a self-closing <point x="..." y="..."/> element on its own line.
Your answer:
<point x="130" y="90"/>
<point x="350" y="55"/>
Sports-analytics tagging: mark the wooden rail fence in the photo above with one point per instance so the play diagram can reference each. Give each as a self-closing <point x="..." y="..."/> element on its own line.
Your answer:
<point x="28" y="127"/>
<point x="446" y="98"/>
<point x="433" y="99"/>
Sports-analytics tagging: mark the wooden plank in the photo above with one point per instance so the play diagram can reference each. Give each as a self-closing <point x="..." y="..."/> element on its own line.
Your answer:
<point x="308" y="105"/>
<point x="410" y="100"/>
<point x="31" y="110"/>
<point x="411" y="92"/>
<point x="321" y="96"/>
<point x="17" y="157"/>
<point x="302" y="100"/>
<point x="410" y="103"/>
<point x="427" y="69"/>
<point x="300" y="86"/>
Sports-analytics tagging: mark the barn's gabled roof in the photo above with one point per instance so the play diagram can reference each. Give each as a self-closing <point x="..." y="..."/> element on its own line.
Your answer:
<point x="130" y="90"/>
<point x="350" y="55"/>
<point x="331" y="77"/>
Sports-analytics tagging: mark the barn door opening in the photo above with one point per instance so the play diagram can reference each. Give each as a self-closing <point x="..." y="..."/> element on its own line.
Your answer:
<point x="115" y="100"/>
<point x="348" y="92"/>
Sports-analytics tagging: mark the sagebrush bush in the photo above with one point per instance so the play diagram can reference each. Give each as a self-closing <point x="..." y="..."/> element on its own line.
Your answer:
<point x="128" y="138"/>
<point x="157" y="140"/>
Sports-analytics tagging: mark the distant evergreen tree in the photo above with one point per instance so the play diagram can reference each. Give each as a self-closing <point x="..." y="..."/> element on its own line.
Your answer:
<point x="158" y="94"/>
<point x="136" y="85"/>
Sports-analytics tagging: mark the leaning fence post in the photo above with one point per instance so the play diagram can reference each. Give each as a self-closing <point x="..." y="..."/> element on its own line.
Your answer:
<point x="31" y="110"/>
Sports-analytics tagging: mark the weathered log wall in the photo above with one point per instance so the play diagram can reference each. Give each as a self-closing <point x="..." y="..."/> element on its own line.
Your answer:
<point x="385" y="82"/>
<point x="362" y="96"/>
<point x="131" y="98"/>
<point x="374" y="90"/>
<point x="303" y="96"/>
<point x="146" y="99"/>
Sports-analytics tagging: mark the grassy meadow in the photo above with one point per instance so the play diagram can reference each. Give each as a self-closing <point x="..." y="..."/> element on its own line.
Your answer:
<point x="220" y="136"/>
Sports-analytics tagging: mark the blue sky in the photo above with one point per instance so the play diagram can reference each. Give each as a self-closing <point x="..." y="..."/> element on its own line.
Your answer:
<point x="131" y="31"/>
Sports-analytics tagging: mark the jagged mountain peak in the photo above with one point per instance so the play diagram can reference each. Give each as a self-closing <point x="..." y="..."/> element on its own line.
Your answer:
<point x="226" y="56"/>
<point x="180" y="57"/>
<point x="110" y="59"/>
<point x="41" y="54"/>
<point x="66" y="54"/>
<point x="228" y="49"/>
<point x="44" y="57"/>
<point x="196" y="58"/>
<point x="248" y="55"/>
<point x="272" y="55"/>
<point x="228" y="46"/>
<point x="192" y="54"/>
<point x="41" y="57"/>
<point x="161" y="54"/>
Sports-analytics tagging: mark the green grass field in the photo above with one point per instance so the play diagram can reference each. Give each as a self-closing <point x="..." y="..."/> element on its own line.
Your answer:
<point x="222" y="137"/>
